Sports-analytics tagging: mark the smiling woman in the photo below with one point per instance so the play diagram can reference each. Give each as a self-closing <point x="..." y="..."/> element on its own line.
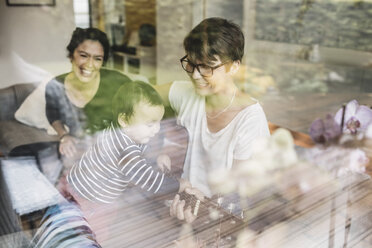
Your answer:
<point x="79" y="102"/>
<point x="222" y="121"/>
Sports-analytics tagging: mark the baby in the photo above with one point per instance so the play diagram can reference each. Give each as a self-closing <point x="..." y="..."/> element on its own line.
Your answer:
<point x="116" y="160"/>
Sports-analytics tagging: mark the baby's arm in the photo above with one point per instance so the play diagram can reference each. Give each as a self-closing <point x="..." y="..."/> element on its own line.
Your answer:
<point x="138" y="172"/>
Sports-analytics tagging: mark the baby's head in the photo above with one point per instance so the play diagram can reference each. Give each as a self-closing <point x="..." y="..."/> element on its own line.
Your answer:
<point x="137" y="109"/>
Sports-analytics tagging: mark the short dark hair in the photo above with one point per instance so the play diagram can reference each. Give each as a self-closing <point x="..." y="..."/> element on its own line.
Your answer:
<point x="215" y="36"/>
<point x="82" y="34"/>
<point x="131" y="93"/>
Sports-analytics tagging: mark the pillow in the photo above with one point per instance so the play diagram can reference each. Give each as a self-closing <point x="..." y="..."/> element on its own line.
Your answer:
<point x="32" y="110"/>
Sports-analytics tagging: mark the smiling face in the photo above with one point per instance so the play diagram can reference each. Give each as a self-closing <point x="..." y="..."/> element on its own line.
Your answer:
<point x="87" y="60"/>
<point x="144" y="123"/>
<point x="214" y="84"/>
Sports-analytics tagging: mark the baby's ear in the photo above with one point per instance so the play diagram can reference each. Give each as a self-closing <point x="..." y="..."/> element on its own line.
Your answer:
<point x="122" y="120"/>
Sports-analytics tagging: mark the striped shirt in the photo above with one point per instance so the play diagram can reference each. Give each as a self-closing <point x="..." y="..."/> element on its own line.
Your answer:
<point x="113" y="163"/>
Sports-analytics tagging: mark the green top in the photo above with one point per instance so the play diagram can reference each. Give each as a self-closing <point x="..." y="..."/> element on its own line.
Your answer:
<point x="96" y="115"/>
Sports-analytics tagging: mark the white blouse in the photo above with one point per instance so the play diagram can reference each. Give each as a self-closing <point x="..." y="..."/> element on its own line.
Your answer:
<point x="208" y="151"/>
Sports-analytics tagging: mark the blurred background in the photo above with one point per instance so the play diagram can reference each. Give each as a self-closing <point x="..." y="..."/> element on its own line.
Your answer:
<point x="303" y="58"/>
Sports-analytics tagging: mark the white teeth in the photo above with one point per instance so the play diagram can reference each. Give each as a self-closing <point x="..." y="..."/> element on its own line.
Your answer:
<point x="86" y="72"/>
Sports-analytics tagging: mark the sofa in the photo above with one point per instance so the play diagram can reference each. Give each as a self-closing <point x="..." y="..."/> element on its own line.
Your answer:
<point x="17" y="139"/>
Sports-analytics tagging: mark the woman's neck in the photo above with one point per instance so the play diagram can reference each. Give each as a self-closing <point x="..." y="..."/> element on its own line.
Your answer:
<point x="80" y="93"/>
<point x="222" y="99"/>
<point x="74" y="82"/>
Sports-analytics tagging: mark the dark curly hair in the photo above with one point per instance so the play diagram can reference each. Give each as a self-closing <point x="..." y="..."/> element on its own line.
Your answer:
<point x="81" y="34"/>
<point x="215" y="36"/>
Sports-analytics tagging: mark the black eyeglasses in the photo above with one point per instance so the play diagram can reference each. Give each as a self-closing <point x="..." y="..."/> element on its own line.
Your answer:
<point x="204" y="70"/>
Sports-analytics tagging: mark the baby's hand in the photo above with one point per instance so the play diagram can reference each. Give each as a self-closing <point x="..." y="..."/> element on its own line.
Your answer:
<point x="164" y="162"/>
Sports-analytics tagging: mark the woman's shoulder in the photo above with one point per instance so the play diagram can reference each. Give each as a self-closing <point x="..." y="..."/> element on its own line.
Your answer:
<point x="57" y="82"/>
<point x="111" y="73"/>
<point x="182" y="95"/>
<point x="61" y="78"/>
<point x="110" y="81"/>
<point x="244" y="99"/>
<point x="182" y="83"/>
<point x="181" y="88"/>
<point x="55" y="89"/>
<point x="250" y="107"/>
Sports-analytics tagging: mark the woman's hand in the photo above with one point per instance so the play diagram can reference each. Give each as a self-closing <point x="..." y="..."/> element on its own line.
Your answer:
<point x="164" y="162"/>
<point x="67" y="145"/>
<point x="177" y="207"/>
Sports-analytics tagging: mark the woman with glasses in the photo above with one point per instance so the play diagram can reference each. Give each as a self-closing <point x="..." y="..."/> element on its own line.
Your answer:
<point x="222" y="121"/>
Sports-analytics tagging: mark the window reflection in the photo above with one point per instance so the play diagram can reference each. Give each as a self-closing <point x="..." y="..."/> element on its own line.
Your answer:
<point x="303" y="60"/>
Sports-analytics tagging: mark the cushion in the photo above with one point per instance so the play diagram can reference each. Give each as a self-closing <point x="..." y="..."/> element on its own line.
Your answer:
<point x="15" y="135"/>
<point x="32" y="110"/>
<point x="12" y="97"/>
<point x="22" y="91"/>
